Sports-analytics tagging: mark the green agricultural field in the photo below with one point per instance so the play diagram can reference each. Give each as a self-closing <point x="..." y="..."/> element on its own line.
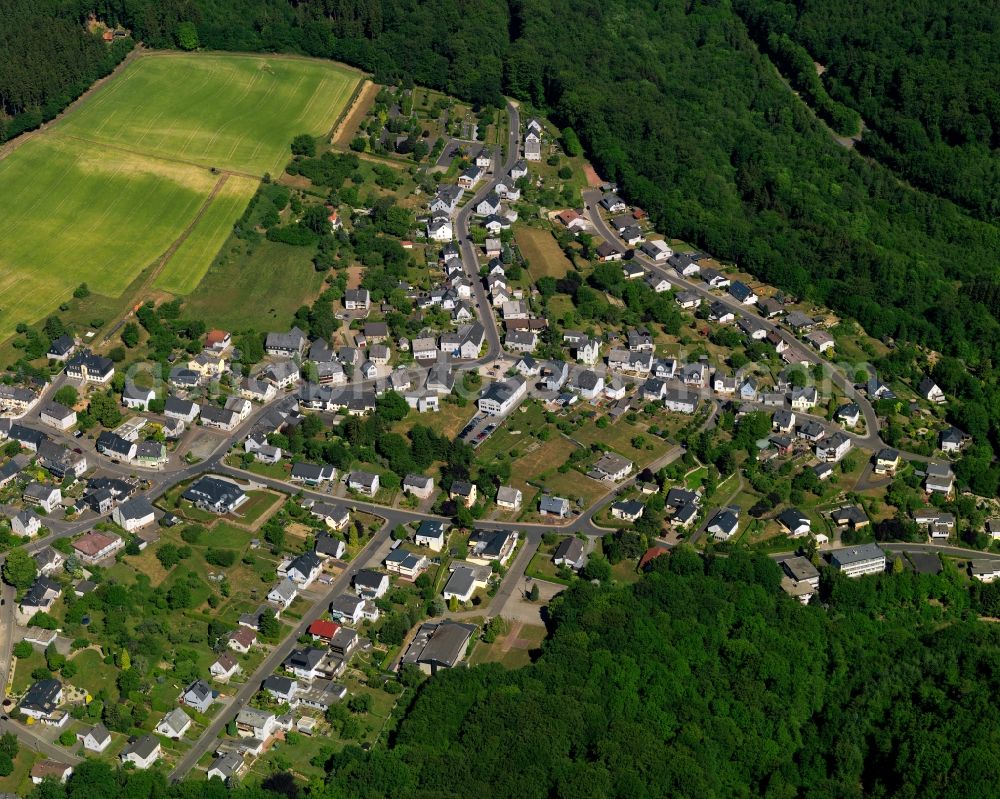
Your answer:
<point x="111" y="188"/>
<point x="226" y="111"/>
<point x="188" y="264"/>
<point x="71" y="214"/>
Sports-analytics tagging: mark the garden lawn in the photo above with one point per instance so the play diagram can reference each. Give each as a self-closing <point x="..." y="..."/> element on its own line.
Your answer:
<point x="189" y="263"/>
<point x="232" y="112"/>
<point x="92" y="674"/>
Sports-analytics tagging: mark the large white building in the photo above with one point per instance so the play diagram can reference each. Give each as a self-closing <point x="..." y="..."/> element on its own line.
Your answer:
<point x="500" y="398"/>
<point x="859" y="560"/>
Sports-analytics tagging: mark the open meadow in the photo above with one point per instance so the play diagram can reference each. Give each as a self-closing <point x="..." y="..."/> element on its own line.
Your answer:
<point x="231" y="112"/>
<point x="159" y="161"/>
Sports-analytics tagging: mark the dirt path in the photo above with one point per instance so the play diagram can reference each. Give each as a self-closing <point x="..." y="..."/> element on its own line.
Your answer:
<point x="147" y="284"/>
<point x="511" y="638"/>
<point x="137" y="52"/>
<point x="352" y="115"/>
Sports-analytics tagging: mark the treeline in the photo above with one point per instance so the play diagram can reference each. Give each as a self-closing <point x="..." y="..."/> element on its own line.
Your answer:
<point x="796" y="65"/>
<point x="704" y="679"/>
<point x="921" y="72"/>
<point x="47" y="60"/>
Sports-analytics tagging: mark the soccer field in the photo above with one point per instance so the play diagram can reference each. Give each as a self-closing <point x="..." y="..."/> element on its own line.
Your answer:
<point x="113" y="186"/>
<point x="228" y="111"/>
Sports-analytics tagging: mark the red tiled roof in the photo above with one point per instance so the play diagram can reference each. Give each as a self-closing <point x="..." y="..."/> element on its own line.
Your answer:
<point x="323" y="628"/>
<point x="92" y="543"/>
<point x="650" y="555"/>
<point x="215" y="337"/>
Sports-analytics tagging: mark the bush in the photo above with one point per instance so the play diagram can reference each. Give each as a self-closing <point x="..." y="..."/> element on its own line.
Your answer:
<point x="23" y="650"/>
<point x="220" y="557"/>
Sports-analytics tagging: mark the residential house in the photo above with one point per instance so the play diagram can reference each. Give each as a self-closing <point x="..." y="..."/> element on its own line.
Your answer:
<point x="629" y="510"/>
<point x="254" y="723"/>
<point x="241" y="639"/>
<point x="931" y="391"/>
<point x="335" y="517"/>
<point x="940" y="478"/>
<point x="312" y="474"/>
<point x="679" y="401"/>
<point x="96" y="739"/>
<point x="115" y="447"/>
<point x="951" y="439"/>
<point x="742" y="293"/>
<point x="288" y="345"/>
<point x="174" y="724"/>
<point x="487" y="546"/>
<point x="50" y="770"/>
<point x="821" y="340"/>
<point x="418" y="485"/>
<point x="724" y="524"/>
<point x="134" y="514"/>
<point x="41" y="702"/>
<point x="219" y="418"/>
<point x="553" y="506"/>
<point x="61" y="348"/>
<point x="215" y="494"/>
<point x="587" y="384"/>
<point x="804" y="399"/>
<point x="357" y="299"/>
<point x="44" y="496"/>
<point x="283" y="594"/>
<point x="463" y="582"/>
<point x="852" y="516"/>
<point x="198" y="695"/>
<point x="463" y="491"/>
<point x="570" y="553"/>
<point x="405" y="563"/>
<point x="58" y="416"/>
<point x="181" y="409"/>
<point x="887" y="461"/>
<point x="509" y="498"/>
<point x="141" y="753"/>
<point x="612" y="467"/>
<point x="371" y="584"/>
<point x="363" y="482"/>
<point x="657" y="249"/>
<point x="439" y="645"/>
<point x="834" y="447"/>
<point x="795" y="522"/>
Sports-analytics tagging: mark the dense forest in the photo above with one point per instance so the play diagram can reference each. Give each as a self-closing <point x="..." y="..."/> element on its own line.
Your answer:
<point x="922" y="73"/>
<point x="702" y="679"/>
<point x="47" y="59"/>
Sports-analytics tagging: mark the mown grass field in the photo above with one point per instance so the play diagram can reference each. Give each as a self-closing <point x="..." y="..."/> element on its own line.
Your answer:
<point x="188" y="265"/>
<point x="542" y="252"/>
<point x="258" y="292"/>
<point x="228" y="111"/>
<point x="106" y="191"/>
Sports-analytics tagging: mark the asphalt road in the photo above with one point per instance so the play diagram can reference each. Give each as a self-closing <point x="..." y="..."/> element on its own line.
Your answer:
<point x="871" y="440"/>
<point x="207" y="741"/>
<point x="470" y="261"/>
